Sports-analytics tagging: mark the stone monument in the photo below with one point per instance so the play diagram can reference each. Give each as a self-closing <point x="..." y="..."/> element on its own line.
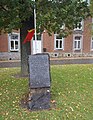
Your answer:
<point x="39" y="81"/>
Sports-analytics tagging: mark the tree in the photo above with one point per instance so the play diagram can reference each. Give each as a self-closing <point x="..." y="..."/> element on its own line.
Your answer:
<point x="57" y="13"/>
<point x="91" y="7"/>
<point x="17" y="14"/>
<point x="52" y="15"/>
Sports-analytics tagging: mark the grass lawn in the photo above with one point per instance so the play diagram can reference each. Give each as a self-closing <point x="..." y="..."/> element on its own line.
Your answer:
<point x="71" y="90"/>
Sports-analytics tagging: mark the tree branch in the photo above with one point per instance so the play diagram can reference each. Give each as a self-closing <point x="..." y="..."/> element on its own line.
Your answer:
<point x="3" y="8"/>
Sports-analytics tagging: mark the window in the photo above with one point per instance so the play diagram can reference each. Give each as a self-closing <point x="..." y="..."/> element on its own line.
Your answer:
<point x="59" y="41"/>
<point x="39" y="37"/>
<point x="63" y="27"/>
<point x="77" y="42"/>
<point x="79" y="26"/>
<point x="14" y="41"/>
<point x="88" y="1"/>
<point x="92" y="43"/>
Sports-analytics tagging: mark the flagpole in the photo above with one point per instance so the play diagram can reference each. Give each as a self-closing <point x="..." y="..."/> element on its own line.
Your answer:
<point x="35" y="29"/>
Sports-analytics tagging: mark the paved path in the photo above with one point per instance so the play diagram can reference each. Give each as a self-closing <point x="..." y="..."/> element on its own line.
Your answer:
<point x="10" y="63"/>
<point x="53" y="61"/>
<point x="78" y="60"/>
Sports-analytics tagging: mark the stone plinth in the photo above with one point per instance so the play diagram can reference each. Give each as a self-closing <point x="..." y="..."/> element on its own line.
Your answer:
<point x="39" y="99"/>
<point x="39" y="82"/>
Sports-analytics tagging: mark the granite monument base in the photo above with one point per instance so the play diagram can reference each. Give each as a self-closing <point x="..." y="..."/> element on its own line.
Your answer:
<point x="39" y="82"/>
<point x="39" y="99"/>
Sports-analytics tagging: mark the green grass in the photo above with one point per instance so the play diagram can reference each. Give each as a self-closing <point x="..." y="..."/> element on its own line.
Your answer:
<point x="71" y="89"/>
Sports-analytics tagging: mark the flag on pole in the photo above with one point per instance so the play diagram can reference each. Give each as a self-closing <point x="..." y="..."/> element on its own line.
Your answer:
<point x="29" y="36"/>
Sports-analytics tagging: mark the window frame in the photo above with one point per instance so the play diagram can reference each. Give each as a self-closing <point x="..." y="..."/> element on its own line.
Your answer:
<point x="38" y="36"/>
<point x="14" y="42"/>
<point x="92" y="43"/>
<point x="77" y="42"/>
<point x="82" y="26"/>
<point x="59" y="40"/>
<point x="88" y="1"/>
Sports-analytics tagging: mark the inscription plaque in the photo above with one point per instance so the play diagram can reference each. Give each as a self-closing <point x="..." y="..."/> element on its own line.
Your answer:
<point x="39" y="70"/>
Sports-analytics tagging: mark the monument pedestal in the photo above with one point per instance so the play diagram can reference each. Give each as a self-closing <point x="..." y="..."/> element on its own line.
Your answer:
<point x="39" y="82"/>
<point x="39" y="99"/>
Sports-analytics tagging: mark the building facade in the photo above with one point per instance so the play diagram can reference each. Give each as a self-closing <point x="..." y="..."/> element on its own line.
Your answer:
<point x="79" y="43"/>
<point x="10" y="46"/>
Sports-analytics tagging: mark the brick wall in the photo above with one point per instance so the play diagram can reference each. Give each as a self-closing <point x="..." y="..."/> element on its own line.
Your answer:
<point x="5" y="53"/>
<point x="48" y="41"/>
<point x="68" y="45"/>
<point x="87" y="36"/>
<point x="3" y="43"/>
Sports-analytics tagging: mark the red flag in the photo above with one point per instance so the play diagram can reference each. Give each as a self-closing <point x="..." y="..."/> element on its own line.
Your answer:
<point x="29" y="36"/>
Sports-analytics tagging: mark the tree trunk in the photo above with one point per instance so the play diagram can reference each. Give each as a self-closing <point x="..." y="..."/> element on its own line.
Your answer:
<point x="25" y="48"/>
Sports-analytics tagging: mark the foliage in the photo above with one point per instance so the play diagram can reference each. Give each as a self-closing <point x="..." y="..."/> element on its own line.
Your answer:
<point x="91" y="7"/>
<point x="61" y="16"/>
<point x="51" y="14"/>
<point x="71" y="91"/>
<point x="13" y="12"/>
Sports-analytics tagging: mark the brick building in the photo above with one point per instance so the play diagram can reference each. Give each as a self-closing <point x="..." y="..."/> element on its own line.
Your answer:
<point x="10" y="46"/>
<point x="79" y="43"/>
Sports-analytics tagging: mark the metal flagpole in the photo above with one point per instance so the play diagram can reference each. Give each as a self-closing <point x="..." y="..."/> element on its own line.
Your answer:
<point x="35" y="28"/>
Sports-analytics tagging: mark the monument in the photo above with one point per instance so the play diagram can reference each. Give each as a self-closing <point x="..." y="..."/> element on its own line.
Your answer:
<point x="39" y="81"/>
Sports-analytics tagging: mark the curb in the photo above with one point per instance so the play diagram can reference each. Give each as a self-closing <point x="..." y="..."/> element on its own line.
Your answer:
<point x="53" y="61"/>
